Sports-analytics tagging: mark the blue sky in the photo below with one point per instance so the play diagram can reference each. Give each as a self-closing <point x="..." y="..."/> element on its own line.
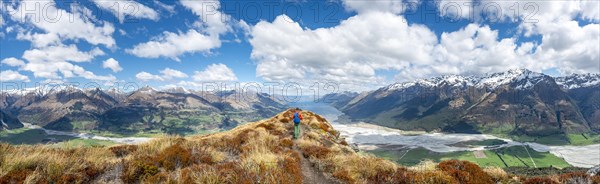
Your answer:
<point x="359" y="45"/>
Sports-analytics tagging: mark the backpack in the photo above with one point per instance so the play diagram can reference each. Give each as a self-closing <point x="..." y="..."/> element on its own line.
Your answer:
<point x="297" y="118"/>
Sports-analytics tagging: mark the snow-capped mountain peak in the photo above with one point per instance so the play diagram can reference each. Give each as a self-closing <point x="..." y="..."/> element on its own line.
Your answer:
<point x="147" y="90"/>
<point x="520" y="78"/>
<point x="524" y="77"/>
<point x="178" y="90"/>
<point x="578" y="80"/>
<point x="448" y="80"/>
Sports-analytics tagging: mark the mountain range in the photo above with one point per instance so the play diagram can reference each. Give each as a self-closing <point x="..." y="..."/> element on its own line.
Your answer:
<point x="176" y="110"/>
<point x="515" y="102"/>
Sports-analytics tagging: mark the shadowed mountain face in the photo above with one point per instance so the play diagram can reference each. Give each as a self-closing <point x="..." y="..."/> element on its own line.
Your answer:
<point x="588" y="101"/>
<point x="8" y="122"/>
<point x="518" y="102"/>
<point x="143" y="110"/>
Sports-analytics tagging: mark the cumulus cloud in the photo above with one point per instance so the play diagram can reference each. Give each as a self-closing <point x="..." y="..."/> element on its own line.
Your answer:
<point x="13" y="62"/>
<point x="165" y="74"/>
<point x="570" y="46"/>
<point x="567" y="44"/>
<point x="378" y="40"/>
<point x="528" y="12"/>
<point x="170" y="73"/>
<point x="212" y="24"/>
<point x="392" y="6"/>
<point x="47" y="62"/>
<point x="61" y="53"/>
<point x="75" y="25"/>
<point x="10" y="75"/>
<point x="350" y="52"/>
<point x="474" y="50"/>
<point x="145" y="76"/>
<point x="215" y="72"/>
<point x="212" y="20"/>
<point x="112" y="64"/>
<point x="172" y="45"/>
<point x="127" y="8"/>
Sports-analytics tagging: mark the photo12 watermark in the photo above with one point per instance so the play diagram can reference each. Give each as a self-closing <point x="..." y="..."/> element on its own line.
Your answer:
<point x="319" y="11"/>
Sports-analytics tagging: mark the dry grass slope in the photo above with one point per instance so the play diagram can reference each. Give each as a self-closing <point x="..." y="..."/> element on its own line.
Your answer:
<point x="260" y="152"/>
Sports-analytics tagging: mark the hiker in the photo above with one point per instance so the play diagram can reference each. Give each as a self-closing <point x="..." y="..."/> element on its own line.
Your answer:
<point x="297" y="118"/>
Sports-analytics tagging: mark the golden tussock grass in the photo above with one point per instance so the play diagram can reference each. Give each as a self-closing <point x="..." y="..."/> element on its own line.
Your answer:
<point x="540" y="180"/>
<point x="260" y="152"/>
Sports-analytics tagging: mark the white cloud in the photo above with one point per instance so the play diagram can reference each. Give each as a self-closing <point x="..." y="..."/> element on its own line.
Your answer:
<point x="168" y="8"/>
<point x="145" y="76"/>
<point x="569" y="47"/>
<point x="392" y="6"/>
<point x="214" y="21"/>
<point x="13" y="62"/>
<point x="127" y="8"/>
<point x="212" y="24"/>
<point x="476" y="50"/>
<point x="48" y="61"/>
<point x="168" y="73"/>
<point x="61" y="53"/>
<point x="76" y="25"/>
<point x="172" y="45"/>
<point x="567" y="44"/>
<point x="165" y="74"/>
<point x="10" y="75"/>
<point x="112" y="64"/>
<point x="378" y="40"/>
<point x="550" y="11"/>
<point x="350" y="52"/>
<point x="215" y="72"/>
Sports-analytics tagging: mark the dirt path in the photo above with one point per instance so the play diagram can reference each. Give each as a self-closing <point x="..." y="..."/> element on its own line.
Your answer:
<point x="310" y="174"/>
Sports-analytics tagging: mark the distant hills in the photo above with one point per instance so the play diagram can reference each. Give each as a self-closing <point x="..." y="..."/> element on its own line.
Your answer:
<point x="515" y="102"/>
<point x="172" y="111"/>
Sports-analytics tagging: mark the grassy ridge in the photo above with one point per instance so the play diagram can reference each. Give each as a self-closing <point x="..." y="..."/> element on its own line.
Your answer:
<point x="260" y="152"/>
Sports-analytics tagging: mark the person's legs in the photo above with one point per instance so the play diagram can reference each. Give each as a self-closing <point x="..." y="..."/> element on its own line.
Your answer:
<point x="296" y="131"/>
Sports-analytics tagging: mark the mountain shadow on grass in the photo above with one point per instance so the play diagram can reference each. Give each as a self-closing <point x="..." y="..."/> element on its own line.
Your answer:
<point x="31" y="136"/>
<point x="461" y="127"/>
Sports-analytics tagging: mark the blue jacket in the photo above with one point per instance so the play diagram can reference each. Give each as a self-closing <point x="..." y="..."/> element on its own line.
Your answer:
<point x="297" y="118"/>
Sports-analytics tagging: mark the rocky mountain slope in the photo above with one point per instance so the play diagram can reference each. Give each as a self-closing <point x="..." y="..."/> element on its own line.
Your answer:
<point x="516" y="102"/>
<point x="259" y="152"/>
<point x="145" y="109"/>
<point x="7" y="121"/>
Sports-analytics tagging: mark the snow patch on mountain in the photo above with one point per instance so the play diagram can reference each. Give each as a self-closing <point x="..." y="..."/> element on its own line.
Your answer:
<point x="578" y="81"/>
<point x="147" y="90"/>
<point x="518" y="78"/>
<point x="446" y="80"/>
